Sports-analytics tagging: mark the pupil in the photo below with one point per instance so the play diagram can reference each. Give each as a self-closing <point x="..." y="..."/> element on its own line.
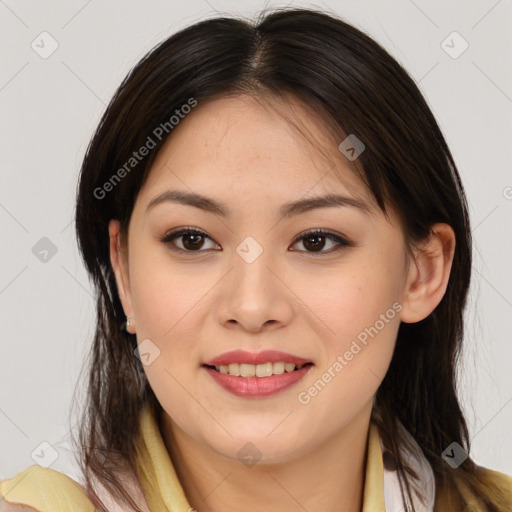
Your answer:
<point x="315" y="245"/>
<point x="194" y="238"/>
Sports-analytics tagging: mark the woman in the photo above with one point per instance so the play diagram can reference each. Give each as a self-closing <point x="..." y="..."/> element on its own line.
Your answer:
<point x="280" y="245"/>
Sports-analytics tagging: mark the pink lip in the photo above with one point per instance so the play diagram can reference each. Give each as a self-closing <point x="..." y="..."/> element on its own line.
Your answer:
<point x="256" y="387"/>
<point x="242" y="356"/>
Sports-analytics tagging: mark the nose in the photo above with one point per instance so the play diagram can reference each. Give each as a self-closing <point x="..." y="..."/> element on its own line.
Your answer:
<point x="255" y="296"/>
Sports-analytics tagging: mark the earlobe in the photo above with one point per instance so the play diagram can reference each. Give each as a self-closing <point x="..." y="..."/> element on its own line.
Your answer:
<point x="119" y="264"/>
<point x="428" y="274"/>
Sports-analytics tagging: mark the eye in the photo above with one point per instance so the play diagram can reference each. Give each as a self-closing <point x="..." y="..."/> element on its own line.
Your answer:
<point x="312" y="240"/>
<point x="315" y="240"/>
<point x="192" y="239"/>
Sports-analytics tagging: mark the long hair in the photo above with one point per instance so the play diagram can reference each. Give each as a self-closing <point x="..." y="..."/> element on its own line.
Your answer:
<point x="342" y="73"/>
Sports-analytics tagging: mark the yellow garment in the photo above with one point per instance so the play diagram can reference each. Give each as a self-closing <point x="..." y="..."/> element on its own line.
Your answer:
<point x="47" y="490"/>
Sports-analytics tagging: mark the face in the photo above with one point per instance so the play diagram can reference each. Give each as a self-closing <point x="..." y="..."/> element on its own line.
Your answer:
<point x="249" y="279"/>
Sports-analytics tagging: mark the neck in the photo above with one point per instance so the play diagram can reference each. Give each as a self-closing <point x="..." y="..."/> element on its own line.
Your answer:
<point x="328" y="477"/>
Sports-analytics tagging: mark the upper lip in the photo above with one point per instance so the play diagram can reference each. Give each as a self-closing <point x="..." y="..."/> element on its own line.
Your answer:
<point x="242" y="356"/>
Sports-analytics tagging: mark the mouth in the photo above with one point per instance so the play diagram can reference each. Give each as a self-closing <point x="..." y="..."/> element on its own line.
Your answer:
<point x="257" y="381"/>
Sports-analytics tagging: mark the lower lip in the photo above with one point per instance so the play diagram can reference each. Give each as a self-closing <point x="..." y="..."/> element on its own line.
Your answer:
<point x="255" y="387"/>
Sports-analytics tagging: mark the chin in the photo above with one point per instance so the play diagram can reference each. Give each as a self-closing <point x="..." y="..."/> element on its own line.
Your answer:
<point x="252" y="449"/>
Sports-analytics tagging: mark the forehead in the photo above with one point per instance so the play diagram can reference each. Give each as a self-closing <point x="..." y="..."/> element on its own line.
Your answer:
<point x="264" y="147"/>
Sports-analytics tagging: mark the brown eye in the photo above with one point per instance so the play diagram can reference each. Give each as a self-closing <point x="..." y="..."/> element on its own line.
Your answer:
<point x="315" y="240"/>
<point x="192" y="239"/>
<point x="314" y="243"/>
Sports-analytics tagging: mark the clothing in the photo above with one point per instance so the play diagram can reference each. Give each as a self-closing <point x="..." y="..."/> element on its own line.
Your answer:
<point x="48" y="490"/>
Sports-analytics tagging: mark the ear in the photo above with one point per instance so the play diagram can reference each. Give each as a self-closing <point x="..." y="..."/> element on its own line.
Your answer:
<point x="119" y="262"/>
<point x="428" y="274"/>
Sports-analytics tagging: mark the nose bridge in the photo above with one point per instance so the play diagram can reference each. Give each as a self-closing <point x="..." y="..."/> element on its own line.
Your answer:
<point x="255" y="296"/>
<point x="251" y="263"/>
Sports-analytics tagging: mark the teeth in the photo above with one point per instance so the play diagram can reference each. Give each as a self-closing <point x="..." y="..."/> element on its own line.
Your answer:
<point x="278" y="368"/>
<point x="264" y="370"/>
<point x="234" y="369"/>
<point x="257" y="370"/>
<point x="247" y="370"/>
<point x="289" y="367"/>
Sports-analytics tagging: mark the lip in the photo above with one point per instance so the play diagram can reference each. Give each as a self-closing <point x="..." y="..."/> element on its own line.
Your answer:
<point x="266" y="356"/>
<point x="257" y="387"/>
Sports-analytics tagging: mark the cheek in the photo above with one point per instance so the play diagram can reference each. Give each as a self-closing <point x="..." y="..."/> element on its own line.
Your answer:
<point x="354" y="355"/>
<point x="357" y="315"/>
<point x="165" y="294"/>
<point x="346" y="301"/>
<point x="167" y="308"/>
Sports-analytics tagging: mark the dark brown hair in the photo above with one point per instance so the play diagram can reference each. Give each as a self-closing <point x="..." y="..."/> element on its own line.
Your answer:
<point x="357" y="86"/>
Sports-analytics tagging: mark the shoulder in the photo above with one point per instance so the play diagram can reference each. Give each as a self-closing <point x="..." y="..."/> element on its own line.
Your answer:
<point x="500" y="480"/>
<point x="463" y="499"/>
<point x="44" y="490"/>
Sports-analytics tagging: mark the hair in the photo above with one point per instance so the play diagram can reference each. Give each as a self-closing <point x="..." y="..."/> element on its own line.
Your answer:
<point x="358" y="88"/>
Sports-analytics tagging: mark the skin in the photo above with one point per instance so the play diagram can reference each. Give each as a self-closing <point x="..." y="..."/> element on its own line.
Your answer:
<point x="311" y="304"/>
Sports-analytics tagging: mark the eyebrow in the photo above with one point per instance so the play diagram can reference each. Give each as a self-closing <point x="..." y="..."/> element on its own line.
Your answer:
<point x="288" y="209"/>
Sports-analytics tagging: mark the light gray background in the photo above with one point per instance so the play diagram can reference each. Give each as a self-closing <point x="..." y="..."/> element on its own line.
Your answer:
<point x="50" y="107"/>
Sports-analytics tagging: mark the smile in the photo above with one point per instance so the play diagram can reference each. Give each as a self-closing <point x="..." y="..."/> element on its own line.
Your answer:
<point x="257" y="370"/>
<point x="253" y="386"/>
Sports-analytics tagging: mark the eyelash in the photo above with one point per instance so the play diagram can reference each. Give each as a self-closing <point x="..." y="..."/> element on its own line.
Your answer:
<point x="342" y="242"/>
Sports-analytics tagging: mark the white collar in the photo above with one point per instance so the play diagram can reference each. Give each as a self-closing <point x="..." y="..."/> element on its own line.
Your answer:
<point x="426" y="483"/>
